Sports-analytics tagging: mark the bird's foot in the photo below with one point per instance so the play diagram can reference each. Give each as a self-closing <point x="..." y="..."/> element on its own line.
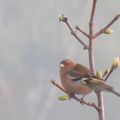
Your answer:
<point x="82" y="100"/>
<point x="71" y="95"/>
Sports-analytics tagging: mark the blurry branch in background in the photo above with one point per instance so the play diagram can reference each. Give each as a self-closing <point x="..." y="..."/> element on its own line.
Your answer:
<point x="89" y="46"/>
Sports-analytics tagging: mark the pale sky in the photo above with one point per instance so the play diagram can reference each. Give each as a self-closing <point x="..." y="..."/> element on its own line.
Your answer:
<point x="33" y="42"/>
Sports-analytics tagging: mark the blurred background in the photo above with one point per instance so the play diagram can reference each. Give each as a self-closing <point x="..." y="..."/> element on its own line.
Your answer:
<point x="32" y="43"/>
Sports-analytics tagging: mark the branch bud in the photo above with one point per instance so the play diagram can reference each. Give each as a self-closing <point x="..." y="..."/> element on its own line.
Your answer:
<point x="115" y="63"/>
<point x="99" y="74"/>
<point x="64" y="97"/>
<point x="62" y="18"/>
<point x="108" y="31"/>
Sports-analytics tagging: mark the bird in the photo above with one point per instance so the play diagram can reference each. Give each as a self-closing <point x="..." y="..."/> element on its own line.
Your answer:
<point x="78" y="79"/>
<point x="99" y="85"/>
<point x="70" y="72"/>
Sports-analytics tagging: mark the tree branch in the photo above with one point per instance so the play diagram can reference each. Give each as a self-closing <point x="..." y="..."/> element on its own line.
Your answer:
<point x="75" y="35"/>
<point x="107" y="76"/>
<point x="83" y="32"/>
<point x="101" y="112"/>
<point x="91" y="36"/>
<point x="75" y="97"/>
<point x="91" y="25"/>
<point x="101" y="31"/>
<point x="91" y="61"/>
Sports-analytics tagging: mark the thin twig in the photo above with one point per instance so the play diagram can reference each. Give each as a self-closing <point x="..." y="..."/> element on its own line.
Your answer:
<point x="75" y="97"/>
<point x="83" y="32"/>
<point x="101" y="31"/>
<point x="75" y="35"/>
<point x="108" y="75"/>
<point x="93" y="13"/>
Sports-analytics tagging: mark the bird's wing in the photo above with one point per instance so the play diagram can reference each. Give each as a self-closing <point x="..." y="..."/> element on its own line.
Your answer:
<point x="77" y="76"/>
<point x="95" y="82"/>
<point x="99" y="84"/>
<point x="73" y="73"/>
<point x="79" y="71"/>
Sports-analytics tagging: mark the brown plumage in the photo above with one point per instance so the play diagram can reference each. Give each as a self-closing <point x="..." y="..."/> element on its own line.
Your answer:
<point x="77" y="79"/>
<point x="70" y="70"/>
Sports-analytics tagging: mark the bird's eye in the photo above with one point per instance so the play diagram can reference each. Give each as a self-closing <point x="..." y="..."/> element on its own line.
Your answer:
<point x="62" y="65"/>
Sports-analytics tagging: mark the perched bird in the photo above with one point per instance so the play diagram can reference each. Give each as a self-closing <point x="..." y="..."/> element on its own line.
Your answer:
<point x="98" y="85"/>
<point x="77" y="79"/>
<point x="70" y="72"/>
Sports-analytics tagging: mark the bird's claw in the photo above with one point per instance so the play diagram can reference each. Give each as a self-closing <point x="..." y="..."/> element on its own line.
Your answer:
<point x="82" y="101"/>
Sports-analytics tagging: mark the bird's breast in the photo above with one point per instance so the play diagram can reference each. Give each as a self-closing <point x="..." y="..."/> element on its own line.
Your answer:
<point x="73" y="86"/>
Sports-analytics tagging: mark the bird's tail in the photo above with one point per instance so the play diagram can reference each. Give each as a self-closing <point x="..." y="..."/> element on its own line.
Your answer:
<point x="115" y="92"/>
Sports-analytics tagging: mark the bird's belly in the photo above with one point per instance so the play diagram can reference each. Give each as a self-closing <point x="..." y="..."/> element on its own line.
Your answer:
<point x="75" y="87"/>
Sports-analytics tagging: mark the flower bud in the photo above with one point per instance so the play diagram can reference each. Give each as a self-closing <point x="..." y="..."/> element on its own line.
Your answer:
<point x="62" y="18"/>
<point x="108" y="31"/>
<point x="99" y="74"/>
<point x="64" y="97"/>
<point x="115" y="63"/>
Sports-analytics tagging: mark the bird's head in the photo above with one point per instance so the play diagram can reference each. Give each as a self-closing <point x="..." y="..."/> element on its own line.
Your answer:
<point x="66" y="65"/>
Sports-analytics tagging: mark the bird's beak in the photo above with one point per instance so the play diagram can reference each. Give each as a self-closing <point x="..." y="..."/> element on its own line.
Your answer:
<point x="62" y="66"/>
